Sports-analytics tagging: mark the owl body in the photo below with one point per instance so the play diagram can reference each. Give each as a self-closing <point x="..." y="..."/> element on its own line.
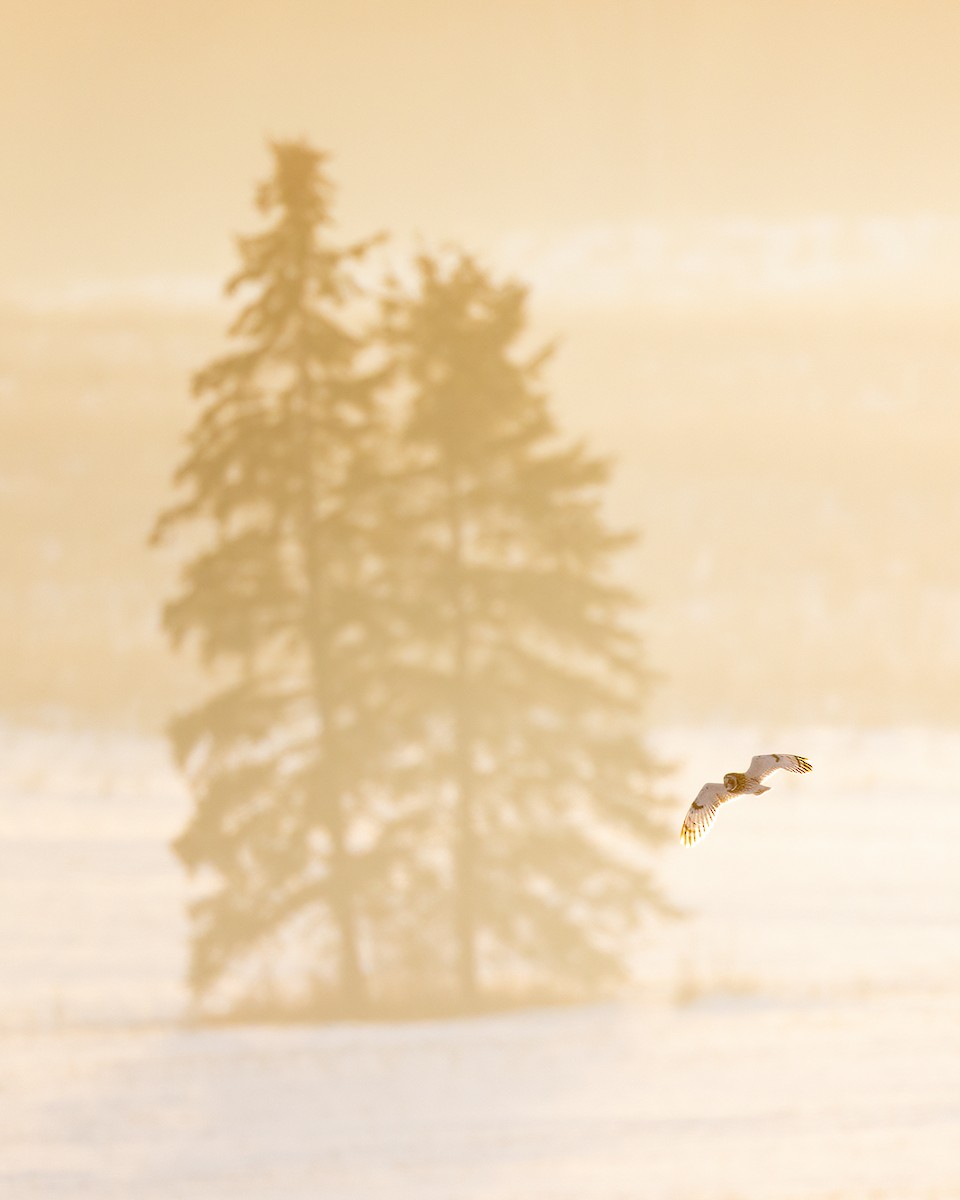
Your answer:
<point x="739" y="784"/>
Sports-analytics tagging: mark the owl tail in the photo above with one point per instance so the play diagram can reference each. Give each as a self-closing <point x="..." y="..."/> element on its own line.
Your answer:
<point x="761" y="788"/>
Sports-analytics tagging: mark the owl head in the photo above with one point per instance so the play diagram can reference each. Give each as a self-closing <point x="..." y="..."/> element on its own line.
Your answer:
<point x="733" y="781"/>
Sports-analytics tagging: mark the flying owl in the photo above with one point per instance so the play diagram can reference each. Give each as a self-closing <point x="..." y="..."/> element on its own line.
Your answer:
<point x="702" y="811"/>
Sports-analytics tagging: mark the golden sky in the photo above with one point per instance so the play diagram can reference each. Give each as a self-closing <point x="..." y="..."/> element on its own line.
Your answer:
<point x="131" y="132"/>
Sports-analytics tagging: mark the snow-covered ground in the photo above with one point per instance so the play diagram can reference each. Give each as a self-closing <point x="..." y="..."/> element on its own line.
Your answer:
<point x="635" y="1102"/>
<point x="795" y="1036"/>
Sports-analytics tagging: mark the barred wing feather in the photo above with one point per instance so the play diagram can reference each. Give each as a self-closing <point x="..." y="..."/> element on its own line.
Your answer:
<point x="762" y="765"/>
<point x="702" y="811"/>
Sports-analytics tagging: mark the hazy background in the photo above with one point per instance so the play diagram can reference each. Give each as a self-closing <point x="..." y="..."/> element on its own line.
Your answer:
<point x="742" y="223"/>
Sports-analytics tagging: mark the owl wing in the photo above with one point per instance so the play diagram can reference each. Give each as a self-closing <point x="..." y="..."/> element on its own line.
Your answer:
<point x="762" y="765"/>
<point x="702" y="811"/>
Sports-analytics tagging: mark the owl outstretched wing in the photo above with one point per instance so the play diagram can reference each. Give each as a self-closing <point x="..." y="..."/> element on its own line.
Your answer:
<point x="762" y="765"/>
<point x="702" y="811"/>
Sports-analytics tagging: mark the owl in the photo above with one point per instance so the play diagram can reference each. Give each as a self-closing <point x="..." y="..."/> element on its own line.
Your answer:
<point x="702" y="811"/>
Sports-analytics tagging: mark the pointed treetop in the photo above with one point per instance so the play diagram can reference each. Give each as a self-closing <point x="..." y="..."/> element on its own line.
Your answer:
<point x="299" y="182"/>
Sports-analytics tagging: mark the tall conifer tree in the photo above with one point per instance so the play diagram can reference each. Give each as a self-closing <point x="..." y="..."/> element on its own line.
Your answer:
<point x="285" y="596"/>
<point x="531" y="672"/>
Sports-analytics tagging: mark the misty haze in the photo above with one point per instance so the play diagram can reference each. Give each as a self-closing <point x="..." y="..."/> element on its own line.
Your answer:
<point x="436" y="441"/>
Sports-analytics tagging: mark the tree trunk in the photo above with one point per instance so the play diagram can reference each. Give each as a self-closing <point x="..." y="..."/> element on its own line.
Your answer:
<point x="329" y="792"/>
<point x="352" y="988"/>
<point x="465" y="858"/>
<point x="330" y="795"/>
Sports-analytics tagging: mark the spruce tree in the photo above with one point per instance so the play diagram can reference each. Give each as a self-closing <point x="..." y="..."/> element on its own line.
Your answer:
<point x="531" y="671"/>
<point x="285" y="596"/>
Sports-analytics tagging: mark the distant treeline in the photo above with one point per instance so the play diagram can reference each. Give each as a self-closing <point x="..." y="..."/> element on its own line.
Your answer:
<point x="832" y="435"/>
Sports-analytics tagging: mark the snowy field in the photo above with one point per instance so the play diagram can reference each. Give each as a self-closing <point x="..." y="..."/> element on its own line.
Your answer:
<point x="796" y="1036"/>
